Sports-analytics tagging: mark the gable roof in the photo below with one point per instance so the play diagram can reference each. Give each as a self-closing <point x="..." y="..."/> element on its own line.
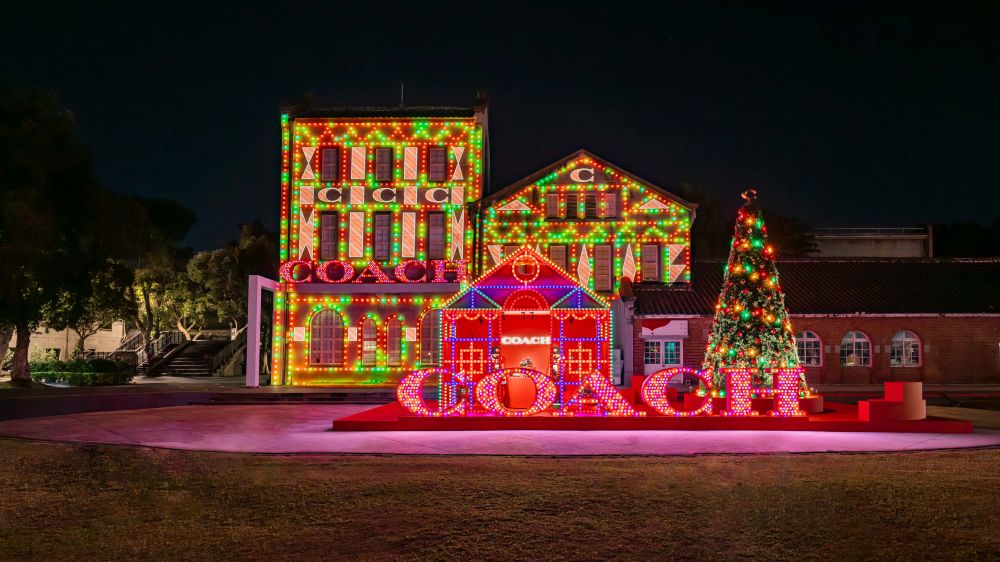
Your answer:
<point x="841" y="286"/>
<point x="493" y="198"/>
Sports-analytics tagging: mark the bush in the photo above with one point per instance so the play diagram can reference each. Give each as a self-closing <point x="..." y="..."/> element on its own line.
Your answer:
<point x="81" y="372"/>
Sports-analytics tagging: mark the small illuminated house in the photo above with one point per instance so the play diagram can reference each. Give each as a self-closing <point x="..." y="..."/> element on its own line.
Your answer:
<point x="525" y="309"/>
<point x="375" y="236"/>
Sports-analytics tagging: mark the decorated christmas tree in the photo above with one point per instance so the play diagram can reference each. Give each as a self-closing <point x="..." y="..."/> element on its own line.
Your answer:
<point x="751" y="327"/>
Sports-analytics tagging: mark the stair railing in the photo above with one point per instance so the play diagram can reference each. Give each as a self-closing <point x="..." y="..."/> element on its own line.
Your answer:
<point x="226" y="353"/>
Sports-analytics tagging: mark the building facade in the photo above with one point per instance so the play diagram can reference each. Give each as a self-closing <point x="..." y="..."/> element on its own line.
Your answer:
<point x="375" y="237"/>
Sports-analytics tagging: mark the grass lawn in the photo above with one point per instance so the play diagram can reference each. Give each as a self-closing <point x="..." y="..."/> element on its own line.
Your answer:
<point x="61" y="502"/>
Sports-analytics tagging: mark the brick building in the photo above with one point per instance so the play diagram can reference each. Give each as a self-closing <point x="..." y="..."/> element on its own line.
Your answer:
<point x="856" y="321"/>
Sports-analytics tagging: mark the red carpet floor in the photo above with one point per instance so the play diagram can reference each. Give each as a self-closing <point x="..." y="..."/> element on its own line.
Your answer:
<point x="836" y="417"/>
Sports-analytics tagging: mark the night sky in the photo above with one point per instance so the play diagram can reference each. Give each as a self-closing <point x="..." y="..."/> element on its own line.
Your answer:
<point x="839" y="116"/>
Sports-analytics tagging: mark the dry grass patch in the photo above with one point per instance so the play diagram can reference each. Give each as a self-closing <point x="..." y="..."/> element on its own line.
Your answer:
<point x="108" y="503"/>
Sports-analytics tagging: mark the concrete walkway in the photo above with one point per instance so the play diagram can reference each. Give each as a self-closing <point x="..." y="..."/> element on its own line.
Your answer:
<point x="305" y="428"/>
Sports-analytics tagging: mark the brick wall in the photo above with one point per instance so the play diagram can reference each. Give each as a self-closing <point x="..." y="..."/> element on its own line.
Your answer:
<point x="953" y="349"/>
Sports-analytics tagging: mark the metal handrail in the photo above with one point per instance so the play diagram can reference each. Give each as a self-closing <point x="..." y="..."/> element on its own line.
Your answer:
<point x="227" y="352"/>
<point x="158" y="345"/>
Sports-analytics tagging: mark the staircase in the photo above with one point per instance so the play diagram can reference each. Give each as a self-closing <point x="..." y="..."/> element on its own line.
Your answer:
<point x="189" y="358"/>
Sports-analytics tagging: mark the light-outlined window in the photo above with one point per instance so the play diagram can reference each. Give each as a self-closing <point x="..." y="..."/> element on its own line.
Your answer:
<point x="329" y="235"/>
<point x="650" y="262"/>
<point x="855" y="350"/>
<point x="326" y="338"/>
<point x="329" y="164"/>
<point x="437" y="164"/>
<point x="383" y="164"/>
<point x="394" y="342"/>
<point x="557" y="253"/>
<point x="590" y="205"/>
<point x="572" y="208"/>
<point x="435" y="236"/>
<point x="611" y="204"/>
<point x="552" y="205"/>
<point x="904" y="350"/>
<point x="603" y="263"/>
<point x="382" y="235"/>
<point x="369" y="342"/>
<point x="430" y="337"/>
<point x="809" y="348"/>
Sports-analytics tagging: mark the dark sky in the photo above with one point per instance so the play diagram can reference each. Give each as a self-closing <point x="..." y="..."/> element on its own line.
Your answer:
<point x="840" y="116"/>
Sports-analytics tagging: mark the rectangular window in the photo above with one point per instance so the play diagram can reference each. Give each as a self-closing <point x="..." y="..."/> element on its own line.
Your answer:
<point x="329" y="236"/>
<point x="671" y="353"/>
<point x="651" y="353"/>
<point x="557" y="253"/>
<point x="394" y="340"/>
<point x="611" y="199"/>
<point x="572" y="210"/>
<point x="383" y="164"/>
<point x="590" y="206"/>
<point x="435" y="236"/>
<point x="552" y="205"/>
<point x="650" y="262"/>
<point x="602" y="268"/>
<point x="330" y="162"/>
<point x="437" y="164"/>
<point x="383" y="236"/>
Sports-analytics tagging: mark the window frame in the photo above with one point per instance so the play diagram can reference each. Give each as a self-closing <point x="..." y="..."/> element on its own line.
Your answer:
<point x="804" y="337"/>
<point x="329" y="156"/>
<point x="590" y="205"/>
<point x="431" y="255"/>
<point x="324" y="240"/>
<point x="572" y="209"/>
<point x="336" y="352"/>
<point x="430" y="332"/>
<point x="902" y="338"/>
<point x="365" y="340"/>
<point x="609" y="197"/>
<point x="377" y="251"/>
<point x="394" y="351"/>
<point x="609" y="271"/>
<point x="659" y="259"/>
<point x="564" y="262"/>
<point x="380" y="164"/>
<point x="549" y="199"/>
<point x="854" y="341"/>
<point x="431" y="163"/>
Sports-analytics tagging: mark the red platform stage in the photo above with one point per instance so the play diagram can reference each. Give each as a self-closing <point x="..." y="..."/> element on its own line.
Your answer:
<point x="836" y="417"/>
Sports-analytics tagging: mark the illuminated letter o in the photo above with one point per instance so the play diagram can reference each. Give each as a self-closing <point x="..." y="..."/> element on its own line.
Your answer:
<point x="486" y="392"/>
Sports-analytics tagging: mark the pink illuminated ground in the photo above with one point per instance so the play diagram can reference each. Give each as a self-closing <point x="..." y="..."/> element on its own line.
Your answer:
<point x="304" y="428"/>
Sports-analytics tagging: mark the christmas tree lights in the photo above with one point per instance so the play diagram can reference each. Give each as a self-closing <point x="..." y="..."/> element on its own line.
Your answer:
<point x="751" y="329"/>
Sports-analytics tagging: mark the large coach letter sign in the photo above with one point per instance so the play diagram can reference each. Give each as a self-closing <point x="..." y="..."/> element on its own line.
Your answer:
<point x="739" y="388"/>
<point x="654" y="392"/>
<point x="452" y="398"/>
<point x="786" y="392"/>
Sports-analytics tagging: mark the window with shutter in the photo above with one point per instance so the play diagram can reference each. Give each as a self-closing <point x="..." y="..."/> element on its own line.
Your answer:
<point x="552" y="205"/>
<point x="435" y="236"/>
<point x="383" y="236"/>
<point x="590" y="206"/>
<point x="650" y="262"/>
<point x="330" y="162"/>
<point x="437" y="164"/>
<point x="430" y="335"/>
<point x="611" y="205"/>
<point x="329" y="239"/>
<point x="383" y="164"/>
<point x="369" y="342"/>
<point x="394" y="342"/>
<point x="572" y="210"/>
<point x="557" y="253"/>
<point x="602" y="268"/>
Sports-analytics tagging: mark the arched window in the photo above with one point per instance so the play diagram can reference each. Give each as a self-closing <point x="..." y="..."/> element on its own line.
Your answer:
<point x="810" y="349"/>
<point x="369" y="342"/>
<point x="326" y="336"/>
<point x="855" y="350"/>
<point x="394" y="342"/>
<point x="905" y="350"/>
<point x="430" y="338"/>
